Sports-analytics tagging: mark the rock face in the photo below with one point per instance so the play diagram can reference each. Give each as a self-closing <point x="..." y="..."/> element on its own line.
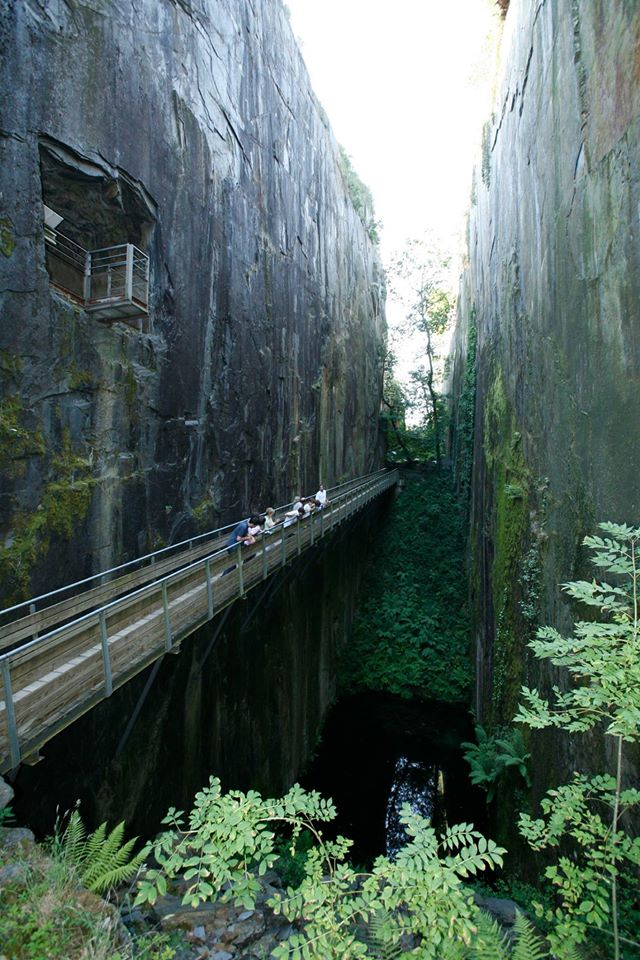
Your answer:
<point x="189" y="129"/>
<point x="551" y="291"/>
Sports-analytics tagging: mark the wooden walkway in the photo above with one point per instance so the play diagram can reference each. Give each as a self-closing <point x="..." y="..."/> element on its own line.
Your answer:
<point x="103" y="636"/>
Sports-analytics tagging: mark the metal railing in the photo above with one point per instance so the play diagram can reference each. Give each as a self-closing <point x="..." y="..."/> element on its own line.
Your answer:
<point x="112" y="282"/>
<point x="117" y="274"/>
<point x="54" y="678"/>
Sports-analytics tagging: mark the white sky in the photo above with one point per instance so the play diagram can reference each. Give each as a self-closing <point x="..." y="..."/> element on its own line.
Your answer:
<point x="406" y="87"/>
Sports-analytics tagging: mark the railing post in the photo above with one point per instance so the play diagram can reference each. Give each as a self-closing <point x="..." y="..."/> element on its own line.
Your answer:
<point x="32" y="610"/>
<point x="284" y="547"/>
<point x="298" y="535"/>
<point x="106" y="658"/>
<point x="207" y="570"/>
<point x="86" y="286"/>
<point x="264" y="556"/>
<point x="168" y="639"/>
<point x="240" y="572"/>
<point x="322" y="522"/>
<point x="313" y="523"/>
<point x="128" y="279"/>
<point x="12" y="729"/>
<point x="146" y="281"/>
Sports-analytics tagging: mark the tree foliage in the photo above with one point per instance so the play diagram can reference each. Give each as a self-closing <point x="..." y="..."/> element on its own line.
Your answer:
<point x="583" y="819"/>
<point x="420" y="279"/>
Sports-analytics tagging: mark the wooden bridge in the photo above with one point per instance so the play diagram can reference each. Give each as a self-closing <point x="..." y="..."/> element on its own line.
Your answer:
<point x="66" y="651"/>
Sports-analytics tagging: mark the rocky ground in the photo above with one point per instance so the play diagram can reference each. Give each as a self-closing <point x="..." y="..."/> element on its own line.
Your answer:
<point x="217" y="930"/>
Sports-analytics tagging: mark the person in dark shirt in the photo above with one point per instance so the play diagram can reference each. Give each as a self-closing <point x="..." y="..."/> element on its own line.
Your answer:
<point x="238" y="535"/>
<point x="241" y="532"/>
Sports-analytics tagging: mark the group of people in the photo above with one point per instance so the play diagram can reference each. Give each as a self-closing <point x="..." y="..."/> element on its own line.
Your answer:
<point x="247" y="531"/>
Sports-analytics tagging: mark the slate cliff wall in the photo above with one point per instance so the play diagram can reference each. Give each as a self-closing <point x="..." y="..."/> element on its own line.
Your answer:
<point x="552" y="289"/>
<point x="190" y="129"/>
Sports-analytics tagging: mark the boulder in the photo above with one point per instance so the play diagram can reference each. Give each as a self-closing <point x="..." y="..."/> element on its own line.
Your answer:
<point x="6" y="794"/>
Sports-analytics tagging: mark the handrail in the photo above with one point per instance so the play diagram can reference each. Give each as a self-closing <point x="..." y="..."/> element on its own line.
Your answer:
<point x="32" y="601"/>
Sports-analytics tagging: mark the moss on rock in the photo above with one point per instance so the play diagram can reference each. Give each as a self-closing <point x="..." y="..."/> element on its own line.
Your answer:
<point x="63" y="506"/>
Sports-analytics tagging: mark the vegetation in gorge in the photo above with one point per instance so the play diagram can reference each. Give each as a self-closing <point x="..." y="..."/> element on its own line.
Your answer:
<point x="101" y="860"/>
<point x="48" y="912"/>
<point x="411" y="633"/>
<point x="495" y="755"/>
<point x="584" y="820"/>
<point x="510" y="514"/>
<point x="415" y="905"/>
<point x="462" y="450"/>
<point x="420" y="904"/>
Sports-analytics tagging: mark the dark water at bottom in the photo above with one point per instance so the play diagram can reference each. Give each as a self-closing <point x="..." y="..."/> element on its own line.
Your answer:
<point x="378" y="752"/>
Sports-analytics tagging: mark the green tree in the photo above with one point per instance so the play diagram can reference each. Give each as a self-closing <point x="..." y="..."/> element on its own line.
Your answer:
<point x="421" y="280"/>
<point x="602" y="658"/>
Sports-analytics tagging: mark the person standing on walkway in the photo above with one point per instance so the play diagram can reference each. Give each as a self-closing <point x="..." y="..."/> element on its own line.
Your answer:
<point x="321" y="496"/>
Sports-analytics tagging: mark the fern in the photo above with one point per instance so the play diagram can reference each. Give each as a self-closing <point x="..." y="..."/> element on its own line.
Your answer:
<point x="379" y="945"/>
<point x="490" y="942"/>
<point x="529" y="946"/>
<point x="101" y="861"/>
<point x="493" y="754"/>
<point x="73" y="840"/>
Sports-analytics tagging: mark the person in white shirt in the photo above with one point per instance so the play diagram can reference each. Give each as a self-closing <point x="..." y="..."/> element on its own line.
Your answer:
<point x="269" y="522"/>
<point x="321" y="496"/>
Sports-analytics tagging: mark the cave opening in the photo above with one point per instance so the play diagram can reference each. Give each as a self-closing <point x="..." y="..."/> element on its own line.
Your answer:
<point x="378" y="751"/>
<point x="98" y="231"/>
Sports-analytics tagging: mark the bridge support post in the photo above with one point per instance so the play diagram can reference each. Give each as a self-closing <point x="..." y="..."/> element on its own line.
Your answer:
<point x="106" y="658"/>
<point x="12" y="728"/>
<point x="168" y="640"/>
<point x="207" y="570"/>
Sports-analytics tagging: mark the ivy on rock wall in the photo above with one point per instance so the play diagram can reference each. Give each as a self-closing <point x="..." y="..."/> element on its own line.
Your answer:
<point x="411" y="635"/>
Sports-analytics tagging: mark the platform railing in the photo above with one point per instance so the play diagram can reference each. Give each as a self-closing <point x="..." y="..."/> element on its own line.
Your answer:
<point x="116" y="274"/>
<point x="51" y="680"/>
<point x="112" y="282"/>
